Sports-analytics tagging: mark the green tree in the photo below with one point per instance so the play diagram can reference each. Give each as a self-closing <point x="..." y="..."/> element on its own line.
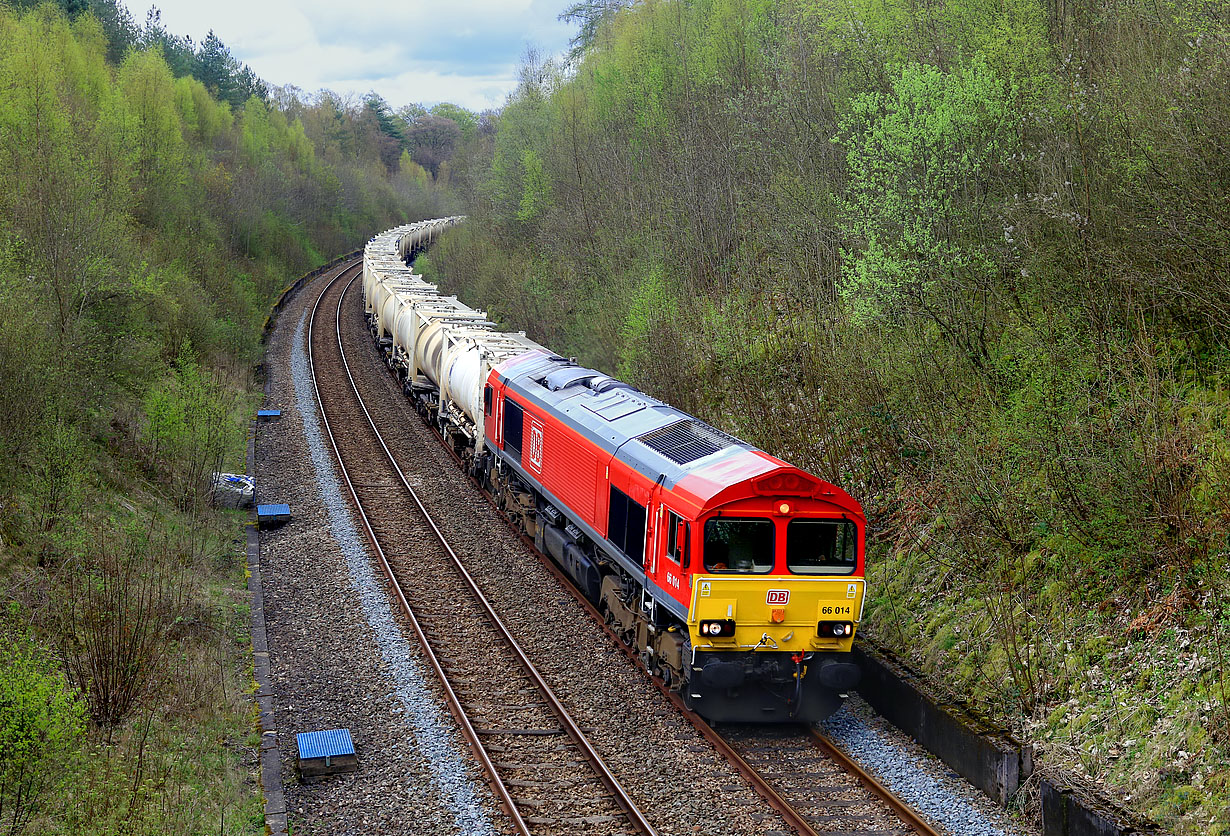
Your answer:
<point x="189" y="428"/>
<point x="590" y="15"/>
<point x="466" y="120"/>
<point x="225" y="77"/>
<point x="179" y="51"/>
<point x="158" y="153"/>
<point x="922" y="162"/>
<point x="217" y="66"/>
<point x="431" y="141"/>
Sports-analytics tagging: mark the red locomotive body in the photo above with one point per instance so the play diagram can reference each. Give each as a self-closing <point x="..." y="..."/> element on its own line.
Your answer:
<point x="738" y="576"/>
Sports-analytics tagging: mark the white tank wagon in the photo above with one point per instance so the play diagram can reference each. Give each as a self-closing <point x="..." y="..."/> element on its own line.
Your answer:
<point x="383" y="289"/>
<point x="412" y="238"/>
<point x="386" y="254"/>
<point x="441" y="349"/>
<point x="431" y="326"/>
<point x="390" y="297"/>
<point x="376" y="272"/>
<point x="468" y="360"/>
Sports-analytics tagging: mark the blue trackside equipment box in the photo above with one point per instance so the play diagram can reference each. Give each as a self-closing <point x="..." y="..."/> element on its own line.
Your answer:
<point x="271" y="516"/>
<point x="326" y="753"/>
<point x="268" y="414"/>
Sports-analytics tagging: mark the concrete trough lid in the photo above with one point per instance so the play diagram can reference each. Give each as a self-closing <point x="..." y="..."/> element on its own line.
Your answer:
<point x="270" y="516"/>
<point x="326" y="753"/>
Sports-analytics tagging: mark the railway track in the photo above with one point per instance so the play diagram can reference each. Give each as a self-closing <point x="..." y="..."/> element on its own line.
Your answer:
<point x="807" y="778"/>
<point x="548" y="776"/>
<point x="810" y="784"/>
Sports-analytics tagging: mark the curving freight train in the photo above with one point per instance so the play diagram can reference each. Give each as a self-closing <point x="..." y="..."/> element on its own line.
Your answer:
<point x="738" y="577"/>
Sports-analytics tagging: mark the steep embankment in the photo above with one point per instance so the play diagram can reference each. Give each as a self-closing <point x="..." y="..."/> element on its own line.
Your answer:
<point x="146" y="222"/>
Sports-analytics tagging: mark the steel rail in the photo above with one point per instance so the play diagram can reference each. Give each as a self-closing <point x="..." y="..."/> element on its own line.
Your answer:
<point x="903" y="810"/>
<point x="450" y="696"/>
<point x="608" y="779"/>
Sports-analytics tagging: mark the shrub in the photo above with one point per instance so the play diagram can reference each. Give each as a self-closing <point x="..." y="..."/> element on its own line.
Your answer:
<point x="41" y="723"/>
<point x="112" y="612"/>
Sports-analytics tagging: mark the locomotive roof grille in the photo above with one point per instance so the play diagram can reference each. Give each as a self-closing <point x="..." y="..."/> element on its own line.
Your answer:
<point x="686" y="441"/>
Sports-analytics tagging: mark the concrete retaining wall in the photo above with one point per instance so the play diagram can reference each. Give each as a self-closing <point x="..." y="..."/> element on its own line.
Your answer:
<point x="1068" y="810"/>
<point x="988" y="758"/>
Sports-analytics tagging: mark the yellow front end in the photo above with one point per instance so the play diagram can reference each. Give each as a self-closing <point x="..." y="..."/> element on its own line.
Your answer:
<point x="774" y="613"/>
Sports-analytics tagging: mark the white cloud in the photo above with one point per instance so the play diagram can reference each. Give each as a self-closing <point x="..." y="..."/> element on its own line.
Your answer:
<point x="464" y="51"/>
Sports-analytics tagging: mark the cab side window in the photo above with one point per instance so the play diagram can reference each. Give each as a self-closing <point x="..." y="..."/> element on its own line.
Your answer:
<point x="513" y="421"/>
<point x="676" y="538"/>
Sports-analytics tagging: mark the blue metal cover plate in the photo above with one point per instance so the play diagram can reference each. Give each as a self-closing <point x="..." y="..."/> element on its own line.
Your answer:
<point x="325" y="744"/>
<point x="271" y="510"/>
<point x="268" y="413"/>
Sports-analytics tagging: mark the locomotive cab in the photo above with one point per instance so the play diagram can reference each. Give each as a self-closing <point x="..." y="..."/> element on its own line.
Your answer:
<point x="775" y="600"/>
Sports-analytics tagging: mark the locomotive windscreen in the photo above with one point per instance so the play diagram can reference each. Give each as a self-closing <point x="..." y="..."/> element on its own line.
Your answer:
<point x="821" y="547"/>
<point x="739" y="545"/>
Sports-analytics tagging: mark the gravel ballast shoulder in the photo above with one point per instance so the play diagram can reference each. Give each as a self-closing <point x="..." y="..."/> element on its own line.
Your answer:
<point x="915" y="776"/>
<point x="337" y="653"/>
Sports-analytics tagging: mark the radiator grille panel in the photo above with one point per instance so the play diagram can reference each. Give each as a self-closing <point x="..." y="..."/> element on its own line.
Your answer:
<point x="687" y="441"/>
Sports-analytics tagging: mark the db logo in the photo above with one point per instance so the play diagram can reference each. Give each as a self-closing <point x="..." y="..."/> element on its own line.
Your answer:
<point x="536" y="445"/>
<point x="778" y="597"/>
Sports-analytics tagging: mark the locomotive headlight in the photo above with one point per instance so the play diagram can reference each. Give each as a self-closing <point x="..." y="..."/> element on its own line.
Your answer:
<point x="718" y="628"/>
<point x="834" y="629"/>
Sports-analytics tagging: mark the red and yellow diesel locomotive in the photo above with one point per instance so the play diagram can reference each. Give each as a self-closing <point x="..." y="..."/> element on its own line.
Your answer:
<point x="738" y="577"/>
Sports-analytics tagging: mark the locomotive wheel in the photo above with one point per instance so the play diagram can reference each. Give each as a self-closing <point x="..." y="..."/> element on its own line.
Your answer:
<point x="688" y="702"/>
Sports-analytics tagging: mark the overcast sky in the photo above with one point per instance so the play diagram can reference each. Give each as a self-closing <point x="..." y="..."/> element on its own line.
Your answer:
<point x="462" y="51"/>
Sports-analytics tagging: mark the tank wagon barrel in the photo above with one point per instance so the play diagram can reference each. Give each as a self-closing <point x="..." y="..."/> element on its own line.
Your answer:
<point x="739" y="578"/>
